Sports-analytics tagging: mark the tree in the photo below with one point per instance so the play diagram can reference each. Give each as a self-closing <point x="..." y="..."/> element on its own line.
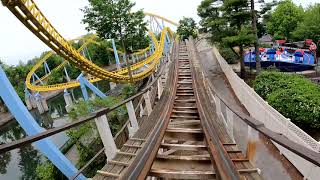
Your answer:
<point x="228" y="22"/>
<point x="187" y="27"/>
<point x="309" y="27"/>
<point x="265" y="8"/>
<point x="115" y="19"/>
<point x="284" y="19"/>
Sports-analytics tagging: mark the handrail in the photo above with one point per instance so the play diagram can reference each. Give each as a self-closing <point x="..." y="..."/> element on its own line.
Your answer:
<point x="30" y="139"/>
<point x="116" y="136"/>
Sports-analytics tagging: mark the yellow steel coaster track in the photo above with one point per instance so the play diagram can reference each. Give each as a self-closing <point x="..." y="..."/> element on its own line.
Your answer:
<point x="30" y="15"/>
<point x="87" y="41"/>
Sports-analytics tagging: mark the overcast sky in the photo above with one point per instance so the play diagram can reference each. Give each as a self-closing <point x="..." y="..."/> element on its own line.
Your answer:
<point x="17" y="43"/>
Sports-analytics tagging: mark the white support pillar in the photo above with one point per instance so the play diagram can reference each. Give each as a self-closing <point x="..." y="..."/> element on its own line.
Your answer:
<point x="44" y="104"/>
<point x="28" y="103"/>
<point x="146" y="97"/>
<point x="68" y="100"/>
<point x="39" y="106"/>
<point x="134" y="126"/>
<point x="113" y="85"/>
<point x="141" y="110"/>
<point x="160" y="88"/>
<point x="33" y="102"/>
<point x="110" y="147"/>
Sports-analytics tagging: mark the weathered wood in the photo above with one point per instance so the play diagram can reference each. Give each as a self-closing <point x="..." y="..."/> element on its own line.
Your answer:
<point x="104" y="173"/>
<point x="132" y="146"/>
<point x="185" y="122"/>
<point x="183" y="146"/>
<point x="118" y="163"/>
<point x="137" y="139"/>
<point x="183" y="130"/>
<point x="204" y="157"/>
<point x="182" y="174"/>
<point x="126" y="153"/>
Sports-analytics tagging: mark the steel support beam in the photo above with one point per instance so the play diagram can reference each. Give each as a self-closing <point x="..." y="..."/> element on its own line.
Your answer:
<point x="31" y="127"/>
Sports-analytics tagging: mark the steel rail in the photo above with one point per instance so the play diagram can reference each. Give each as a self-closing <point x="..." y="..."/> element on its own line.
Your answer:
<point x="219" y="157"/>
<point x="141" y="165"/>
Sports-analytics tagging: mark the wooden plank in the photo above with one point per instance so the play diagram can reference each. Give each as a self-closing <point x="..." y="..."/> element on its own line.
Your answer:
<point x="185" y="112"/>
<point x="184" y="130"/>
<point x="137" y="139"/>
<point x="184" y="107"/>
<point x="184" y="94"/>
<point x="172" y="174"/>
<point x="132" y="146"/>
<point x="183" y="146"/>
<point x="254" y="170"/>
<point x="239" y="159"/>
<point x="104" y="173"/>
<point x="118" y="163"/>
<point x="186" y="100"/>
<point x="205" y="157"/>
<point x="234" y="151"/>
<point x="126" y="153"/>
<point x="186" y="117"/>
<point x="185" y="122"/>
<point x="229" y="144"/>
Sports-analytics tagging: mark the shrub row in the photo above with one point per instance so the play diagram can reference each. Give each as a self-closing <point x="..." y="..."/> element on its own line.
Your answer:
<point x="292" y="95"/>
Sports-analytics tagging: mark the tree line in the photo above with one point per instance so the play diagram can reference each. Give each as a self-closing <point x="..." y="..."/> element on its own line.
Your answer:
<point x="237" y="24"/>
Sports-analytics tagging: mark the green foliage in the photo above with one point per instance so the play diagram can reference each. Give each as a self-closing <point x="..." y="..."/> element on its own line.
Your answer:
<point x="228" y="23"/>
<point x="46" y="171"/>
<point x="284" y="19"/>
<point x="309" y="27"/>
<point x="55" y="78"/>
<point x="228" y="54"/>
<point x="116" y="19"/>
<point x="17" y="75"/>
<point x="128" y="91"/>
<point x="292" y="95"/>
<point x="187" y="27"/>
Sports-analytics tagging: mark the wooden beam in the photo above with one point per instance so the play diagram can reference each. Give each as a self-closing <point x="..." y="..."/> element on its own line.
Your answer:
<point x="104" y="173"/>
<point x="118" y="163"/>
<point x="185" y="122"/>
<point x="132" y="146"/>
<point x="126" y="154"/>
<point x="184" y="130"/>
<point x="205" y="157"/>
<point x="183" y="146"/>
<point x="166" y="173"/>
<point x="137" y="139"/>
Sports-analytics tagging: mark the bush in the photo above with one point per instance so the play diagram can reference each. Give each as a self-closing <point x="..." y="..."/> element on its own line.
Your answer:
<point x="228" y="55"/>
<point x="128" y="91"/>
<point x="293" y="96"/>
